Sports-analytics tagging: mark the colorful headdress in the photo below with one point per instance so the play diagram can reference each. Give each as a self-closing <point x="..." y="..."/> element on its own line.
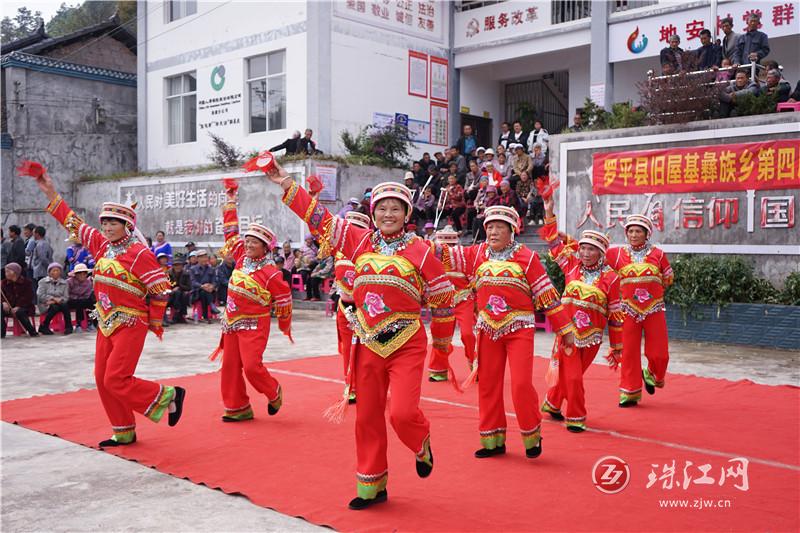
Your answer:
<point x="261" y="233"/>
<point x="639" y="220"/>
<point x="447" y="235"/>
<point x="595" y="238"/>
<point x="359" y="219"/>
<point x="390" y="189"/>
<point x="502" y="213"/>
<point x="120" y="212"/>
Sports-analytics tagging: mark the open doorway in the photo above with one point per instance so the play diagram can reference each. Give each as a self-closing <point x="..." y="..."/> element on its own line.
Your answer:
<point x="481" y="128"/>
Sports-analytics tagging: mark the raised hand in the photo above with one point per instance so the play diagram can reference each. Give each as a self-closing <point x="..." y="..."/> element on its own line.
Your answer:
<point x="549" y="203"/>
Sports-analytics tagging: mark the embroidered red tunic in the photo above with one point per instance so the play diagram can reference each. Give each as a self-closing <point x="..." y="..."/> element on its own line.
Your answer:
<point x="344" y="272"/>
<point x="125" y="274"/>
<point x="255" y="286"/>
<point x="644" y="275"/>
<point x="510" y="285"/>
<point x="392" y="281"/>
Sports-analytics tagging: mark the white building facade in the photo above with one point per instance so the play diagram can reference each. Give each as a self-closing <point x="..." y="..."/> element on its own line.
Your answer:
<point x="253" y="72"/>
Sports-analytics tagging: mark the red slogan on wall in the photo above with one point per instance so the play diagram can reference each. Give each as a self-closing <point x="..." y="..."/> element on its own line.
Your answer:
<point x="722" y="167"/>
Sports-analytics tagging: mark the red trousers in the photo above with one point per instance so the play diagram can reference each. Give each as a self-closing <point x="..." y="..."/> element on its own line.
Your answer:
<point x="464" y="313"/>
<point x="517" y="348"/>
<point x="344" y="336"/>
<point x="656" y="350"/>
<point x="401" y="373"/>
<point x="570" y="384"/>
<point x="243" y="351"/>
<point x="120" y="391"/>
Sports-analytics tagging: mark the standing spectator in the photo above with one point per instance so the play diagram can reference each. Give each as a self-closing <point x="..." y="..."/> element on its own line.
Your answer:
<point x="30" y="244"/>
<point x="467" y="142"/>
<point x="426" y="161"/>
<point x="730" y="39"/>
<point x="190" y="247"/>
<point x="420" y="174"/>
<point x="577" y="123"/>
<point x="280" y="264"/>
<point x="291" y="145"/>
<point x="161" y="246"/>
<point x="438" y="181"/>
<point x="53" y="296"/>
<point x="42" y="255"/>
<point x="709" y="55"/>
<point x="16" y="252"/>
<point x="17" y="295"/>
<point x="519" y="137"/>
<point x="539" y="135"/>
<point x="777" y="87"/>
<point x="460" y="161"/>
<point x="505" y="135"/>
<point x="453" y="203"/>
<point x="181" y="282"/>
<point x="306" y="145"/>
<point x="672" y="55"/>
<point x="522" y="161"/>
<point x="308" y="252"/>
<point x="81" y="296"/>
<point x="321" y="272"/>
<point x="753" y="45"/>
<point x="77" y="254"/>
<point x="425" y="208"/>
<point x="738" y="88"/>
<point x="224" y="273"/>
<point x="5" y="249"/>
<point x="351" y="205"/>
<point x="203" y="284"/>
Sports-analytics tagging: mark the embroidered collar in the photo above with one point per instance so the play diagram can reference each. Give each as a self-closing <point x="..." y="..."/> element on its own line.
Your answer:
<point x="250" y="265"/>
<point x="392" y="244"/>
<point x="505" y="254"/>
<point x="119" y="247"/>
<point x="639" y="255"/>
<point x="592" y="274"/>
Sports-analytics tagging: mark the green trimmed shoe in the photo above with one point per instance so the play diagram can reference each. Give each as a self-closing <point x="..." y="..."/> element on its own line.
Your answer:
<point x="554" y="414"/>
<point x="113" y="442"/>
<point x="275" y="405"/>
<point x="359" y="503"/>
<point x="437" y="377"/>
<point x="649" y="381"/>
<point x="483" y="453"/>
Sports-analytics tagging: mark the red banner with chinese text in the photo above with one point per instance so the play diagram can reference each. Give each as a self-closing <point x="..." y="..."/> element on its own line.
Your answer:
<point x="722" y="167"/>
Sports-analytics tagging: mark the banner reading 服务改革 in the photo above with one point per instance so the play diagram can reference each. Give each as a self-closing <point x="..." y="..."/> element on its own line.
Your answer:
<point x="722" y="167"/>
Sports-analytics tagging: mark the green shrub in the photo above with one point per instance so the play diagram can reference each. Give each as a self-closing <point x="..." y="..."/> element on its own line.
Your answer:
<point x="383" y="146"/>
<point x="790" y="295"/>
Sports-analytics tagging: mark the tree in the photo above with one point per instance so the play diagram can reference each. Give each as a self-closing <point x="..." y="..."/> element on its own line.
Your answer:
<point x="22" y="25"/>
<point x="73" y="18"/>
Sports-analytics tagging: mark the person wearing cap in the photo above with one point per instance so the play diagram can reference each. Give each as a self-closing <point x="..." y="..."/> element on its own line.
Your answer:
<point x="344" y="276"/>
<point x="464" y="306"/>
<point x="429" y="230"/>
<point x="161" y="246"/>
<point x="511" y="285"/>
<point x="425" y="207"/>
<point x="351" y="205"/>
<point x="591" y="298"/>
<point x="131" y="292"/>
<point x="52" y="294"/>
<point x="522" y="161"/>
<point x="77" y="254"/>
<point x="17" y="291"/>
<point x="81" y="296"/>
<point x="396" y="274"/>
<point x="644" y="273"/>
<point x="163" y="260"/>
<point x="452" y="203"/>
<point x="256" y="289"/>
<point x="181" y="282"/>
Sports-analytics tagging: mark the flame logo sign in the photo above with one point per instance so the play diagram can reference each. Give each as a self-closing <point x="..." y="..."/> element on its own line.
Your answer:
<point x="635" y="47"/>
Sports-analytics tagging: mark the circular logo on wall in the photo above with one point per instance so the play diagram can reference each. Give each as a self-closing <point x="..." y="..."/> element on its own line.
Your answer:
<point x="633" y="45"/>
<point x="611" y="474"/>
<point x="218" y="77"/>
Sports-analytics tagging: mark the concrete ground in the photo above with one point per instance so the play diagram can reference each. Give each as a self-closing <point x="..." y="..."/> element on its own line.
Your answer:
<point x="52" y="485"/>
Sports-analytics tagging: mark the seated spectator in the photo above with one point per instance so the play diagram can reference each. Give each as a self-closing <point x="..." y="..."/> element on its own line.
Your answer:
<point x="163" y="260"/>
<point x="161" y="246"/>
<point x="280" y="264"/>
<point x="709" y="55"/>
<point x="673" y="54"/>
<point x="291" y="145"/>
<point x="795" y="96"/>
<point x="306" y="145"/>
<point x="297" y="261"/>
<point x="77" y="253"/>
<point x="776" y="87"/>
<point x="472" y="178"/>
<point x="503" y="166"/>
<point x="523" y="189"/>
<point x="192" y="259"/>
<point x="17" y="298"/>
<point x="351" y="205"/>
<point x="488" y="157"/>
<point x="492" y="174"/>
<point x="428" y="231"/>
<point x="752" y="45"/>
<point x="321" y="272"/>
<point x="507" y="196"/>
<point x="736" y="89"/>
<point x="539" y="163"/>
<point x="452" y="203"/>
<point x="539" y="135"/>
<point x="480" y="151"/>
<point x="411" y="183"/>
<point x="426" y="161"/>
<point x="223" y="276"/>
<point x="439" y="158"/>
<point x="53" y="296"/>
<point x="761" y="74"/>
<point x="522" y="161"/>
<point x="420" y="174"/>
<point x="81" y="296"/>
<point x="482" y="201"/>
<point x="425" y="208"/>
<point x="308" y="253"/>
<point x="724" y="75"/>
<point x="181" y="282"/>
<point x="204" y="285"/>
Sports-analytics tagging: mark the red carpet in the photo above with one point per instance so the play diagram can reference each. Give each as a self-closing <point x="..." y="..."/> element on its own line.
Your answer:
<point x="301" y="465"/>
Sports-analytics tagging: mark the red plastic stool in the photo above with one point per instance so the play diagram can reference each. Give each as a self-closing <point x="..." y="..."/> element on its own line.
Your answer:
<point x="297" y="283"/>
<point x="57" y="324"/>
<point x="326" y="285"/>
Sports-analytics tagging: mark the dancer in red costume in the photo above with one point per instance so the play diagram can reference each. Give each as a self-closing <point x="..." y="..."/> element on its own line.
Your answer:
<point x="396" y="274"/>
<point x="464" y="306"/>
<point x="591" y="298"/>
<point x="132" y="292"/>
<point x="511" y="284"/>
<point x="344" y="276"/>
<point x="644" y="275"/>
<point x="256" y="286"/>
